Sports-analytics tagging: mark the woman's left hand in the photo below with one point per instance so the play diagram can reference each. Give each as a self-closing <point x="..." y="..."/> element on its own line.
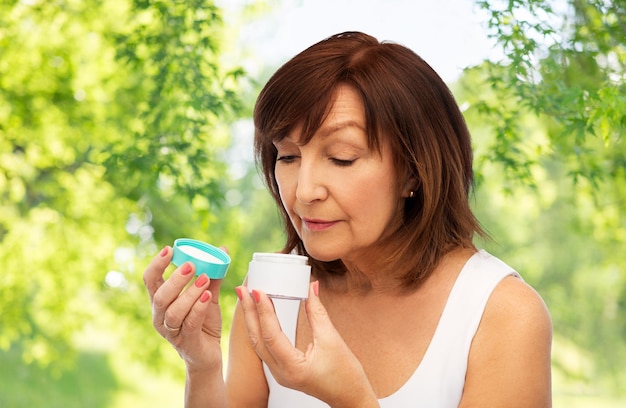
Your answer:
<point x="328" y="370"/>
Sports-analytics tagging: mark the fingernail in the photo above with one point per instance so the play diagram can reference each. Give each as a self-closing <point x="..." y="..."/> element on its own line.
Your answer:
<point x="186" y="269"/>
<point x="256" y="295"/>
<point x="202" y="279"/>
<point x="238" y="291"/>
<point x="316" y="288"/>
<point x="164" y="251"/>
<point x="205" y="295"/>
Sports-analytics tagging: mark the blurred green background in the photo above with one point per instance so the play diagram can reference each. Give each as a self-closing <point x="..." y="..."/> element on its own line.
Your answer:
<point x="126" y="124"/>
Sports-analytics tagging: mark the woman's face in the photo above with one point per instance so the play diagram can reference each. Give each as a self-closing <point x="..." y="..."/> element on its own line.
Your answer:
<point x="341" y="196"/>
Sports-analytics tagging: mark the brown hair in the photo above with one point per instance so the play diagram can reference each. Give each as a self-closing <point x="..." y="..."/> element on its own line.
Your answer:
<point x="405" y="102"/>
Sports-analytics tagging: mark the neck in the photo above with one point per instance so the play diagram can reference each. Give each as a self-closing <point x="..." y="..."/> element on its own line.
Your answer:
<point x="370" y="276"/>
<point x="365" y="278"/>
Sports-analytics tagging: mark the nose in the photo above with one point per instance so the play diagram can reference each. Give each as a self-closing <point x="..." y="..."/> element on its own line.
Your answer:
<point x="311" y="183"/>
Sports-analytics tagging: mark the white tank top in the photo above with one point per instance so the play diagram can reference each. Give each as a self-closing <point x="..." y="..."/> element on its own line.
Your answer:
<point x="439" y="379"/>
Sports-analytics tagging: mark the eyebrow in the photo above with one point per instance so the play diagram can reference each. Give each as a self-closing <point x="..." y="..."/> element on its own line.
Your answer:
<point x="324" y="131"/>
<point x="328" y="130"/>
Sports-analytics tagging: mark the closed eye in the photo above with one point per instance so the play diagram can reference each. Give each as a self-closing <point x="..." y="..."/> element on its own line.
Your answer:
<point x="287" y="158"/>
<point x="343" y="163"/>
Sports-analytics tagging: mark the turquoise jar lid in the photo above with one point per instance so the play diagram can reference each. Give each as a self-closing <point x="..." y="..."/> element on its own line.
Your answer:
<point x="208" y="259"/>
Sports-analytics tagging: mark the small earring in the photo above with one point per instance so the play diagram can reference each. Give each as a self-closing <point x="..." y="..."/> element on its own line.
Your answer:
<point x="411" y="194"/>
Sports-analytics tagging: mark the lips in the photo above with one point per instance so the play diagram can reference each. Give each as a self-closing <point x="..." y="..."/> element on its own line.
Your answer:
<point x="317" y="225"/>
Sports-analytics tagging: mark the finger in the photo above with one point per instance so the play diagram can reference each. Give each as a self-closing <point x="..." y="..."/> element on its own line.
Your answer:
<point x="215" y="287"/>
<point x="251" y="318"/>
<point x="169" y="292"/>
<point x="194" y="320"/>
<point x="316" y="312"/>
<point x="153" y="275"/>
<point x="178" y="312"/>
<point x="275" y="341"/>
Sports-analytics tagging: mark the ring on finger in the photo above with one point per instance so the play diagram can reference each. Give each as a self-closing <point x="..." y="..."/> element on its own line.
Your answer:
<point x="170" y="329"/>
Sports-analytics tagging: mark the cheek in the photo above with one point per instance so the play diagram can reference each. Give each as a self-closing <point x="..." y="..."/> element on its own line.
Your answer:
<point x="380" y="202"/>
<point x="286" y="189"/>
<point x="383" y="209"/>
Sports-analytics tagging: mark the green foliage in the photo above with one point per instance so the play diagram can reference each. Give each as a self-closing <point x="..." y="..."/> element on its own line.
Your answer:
<point x="567" y="66"/>
<point x="548" y="121"/>
<point x="120" y="130"/>
<point x="113" y="117"/>
<point x="91" y="384"/>
<point x="170" y="50"/>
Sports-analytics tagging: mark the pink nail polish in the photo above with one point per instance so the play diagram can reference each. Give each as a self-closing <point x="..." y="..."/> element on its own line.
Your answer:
<point x="256" y="295"/>
<point x="186" y="269"/>
<point x="164" y="251"/>
<point x="316" y="288"/>
<point x="204" y="297"/>
<point x="202" y="279"/>
<point x="239" y="293"/>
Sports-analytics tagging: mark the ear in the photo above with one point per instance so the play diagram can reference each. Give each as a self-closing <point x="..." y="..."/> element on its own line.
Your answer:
<point x="410" y="187"/>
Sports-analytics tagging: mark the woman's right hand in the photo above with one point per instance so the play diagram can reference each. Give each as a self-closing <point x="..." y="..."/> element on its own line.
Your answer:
<point x="190" y="319"/>
<point x="327" y="370"/>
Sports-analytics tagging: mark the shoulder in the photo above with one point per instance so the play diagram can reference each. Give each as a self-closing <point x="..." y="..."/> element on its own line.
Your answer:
<point x="515" y="305"/>
<point x="510" y="355"/>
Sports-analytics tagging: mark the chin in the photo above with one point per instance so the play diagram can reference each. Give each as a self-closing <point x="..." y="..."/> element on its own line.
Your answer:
<point x="322" y="254"/>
